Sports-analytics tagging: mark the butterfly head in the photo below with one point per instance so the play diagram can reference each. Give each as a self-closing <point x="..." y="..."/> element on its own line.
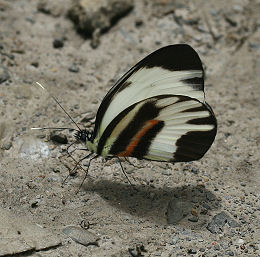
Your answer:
<point x="83" y="135"/>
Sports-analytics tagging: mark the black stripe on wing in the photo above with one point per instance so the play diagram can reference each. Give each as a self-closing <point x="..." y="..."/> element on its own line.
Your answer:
<point x="193" y="145"/>
<point x="143" y="145"/>
<point x="179" y="57"/>
<point x="196" y="83"/>
<point x="147" y="112"/>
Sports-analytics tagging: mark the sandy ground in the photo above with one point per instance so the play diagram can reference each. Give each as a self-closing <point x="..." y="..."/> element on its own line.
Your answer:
<point x="204" y="208"/>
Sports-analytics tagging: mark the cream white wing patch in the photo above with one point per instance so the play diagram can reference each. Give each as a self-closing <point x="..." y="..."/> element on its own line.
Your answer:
<point x="149" y="82"/>
<point x="171" y="70"/>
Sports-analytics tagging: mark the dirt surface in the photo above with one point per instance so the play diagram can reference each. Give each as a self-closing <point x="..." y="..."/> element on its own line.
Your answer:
<point x="204" y="208"/>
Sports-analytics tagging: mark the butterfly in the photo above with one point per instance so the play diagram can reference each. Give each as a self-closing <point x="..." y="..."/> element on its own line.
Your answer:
<point x="156" y="111"/>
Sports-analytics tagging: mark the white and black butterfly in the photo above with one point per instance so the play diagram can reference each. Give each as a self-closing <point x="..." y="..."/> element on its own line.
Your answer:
<point x="156" y="111"/>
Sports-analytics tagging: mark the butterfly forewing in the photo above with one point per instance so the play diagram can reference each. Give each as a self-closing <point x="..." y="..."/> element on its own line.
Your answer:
<point x="173" y="70"/>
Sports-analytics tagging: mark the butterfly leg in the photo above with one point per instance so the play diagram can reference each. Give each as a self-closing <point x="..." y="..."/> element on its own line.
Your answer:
<point x="67" y="150"/>
<point x="123" y="170"/>
<point x="77" y="163"/>
<point x="94" y="157"/>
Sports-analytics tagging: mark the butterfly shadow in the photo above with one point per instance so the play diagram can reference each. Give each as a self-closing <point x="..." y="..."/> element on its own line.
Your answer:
<point x="190" y="204"/>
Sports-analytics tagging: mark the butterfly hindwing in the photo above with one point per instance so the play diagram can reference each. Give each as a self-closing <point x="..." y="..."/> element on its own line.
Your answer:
<point x="162" y="128"/>
<point x="172" y="70"/>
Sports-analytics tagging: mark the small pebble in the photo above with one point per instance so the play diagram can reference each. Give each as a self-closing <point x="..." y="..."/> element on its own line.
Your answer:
<point x="210" y="196"/>
<point x="195" y="170"/>
<point x="35" y="204"/>
<point x="8" y="145"/>
<point x="81" y="235"/>
<point x="139" y="23"/>
<point x="35" y="64"/>
<point x="254" y="45"/>
<point x="56" y="170"/>
<point x="192" y="251"/>
<point x="219" y="221"/>
<point x="240" y="241"/>
<point x="58" y="43"/>
<point x="166" y="173"/>
<point x="206" y="206"/>
<point x="174" y="241"/>
<point x="4" y="75"/>
<point x="193" y="218"/>
<point x="74" y="68"/>
<point x="59" y="138"/>
<point x="216" y="247"/>
<point x="230" y="253"/>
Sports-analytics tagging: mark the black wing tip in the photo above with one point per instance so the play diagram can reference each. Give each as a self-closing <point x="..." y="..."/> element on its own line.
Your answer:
<point x="188" y="152"/>
<point x="176" y="57"/>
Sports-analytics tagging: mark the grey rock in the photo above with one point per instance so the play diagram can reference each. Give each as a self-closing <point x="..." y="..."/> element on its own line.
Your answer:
<point x="192" y="251"/>
<point x="81" y="235"/>
<point x="8" y="145"/>
<point x="4" y="75"/>
<point x="177" y="209"/>
<point x="230" y="253"/>
<point x="216" y="247"/>
<point x="59" y="138"/>
<point x="193" y="218"/>
<point x="74" y="68"/>
<point x="58" y="43"/>
<point x="35" y="64"/>
<point x="206" y="206"/>
<point x="195" y="170"/>
<point x="174" y="241"/>
<point x="90" y="16"/>
<point x="210" y="196"/>
<point x="219" y="221"/>
<point x="166" y="173"/>
<point x="254" y="45"/>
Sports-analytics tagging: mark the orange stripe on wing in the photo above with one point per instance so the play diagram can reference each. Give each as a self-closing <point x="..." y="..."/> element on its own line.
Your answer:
<point x="129" y="150"/>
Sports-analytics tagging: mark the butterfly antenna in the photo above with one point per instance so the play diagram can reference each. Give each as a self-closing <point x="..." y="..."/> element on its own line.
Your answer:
<point x="57" y="102"/>
<point x="42" y="128"/>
